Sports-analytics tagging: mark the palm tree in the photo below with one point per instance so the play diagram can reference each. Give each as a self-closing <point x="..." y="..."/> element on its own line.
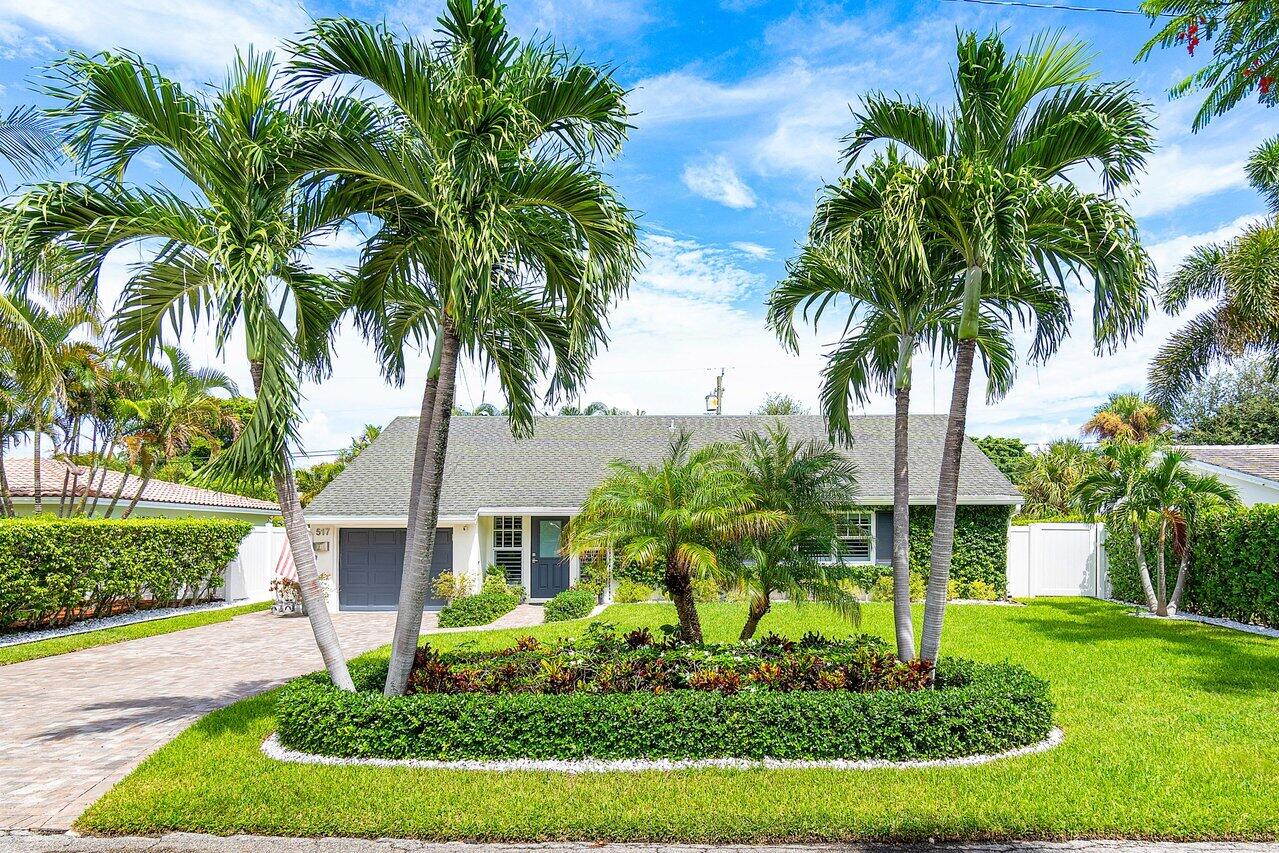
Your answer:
<point x="174" y="411"/>
<point x="1198" y="493"/>
<point x="1049" y="479"/>
<point x="778" y="403"/>
<point x="811" y="484"/>
<point x="675" y="517"/>
<point x="993" y="185"/>
<point x="500" y="238"/>
<point x="1121" y="490"/>
<point x="1240" y="275"/>
<point x="1129" y="417"/>
<point x="595" y="408"/>
<point x="227" y="251"/>
<point x="894" y="306"/>
<point x="15" y="423"/>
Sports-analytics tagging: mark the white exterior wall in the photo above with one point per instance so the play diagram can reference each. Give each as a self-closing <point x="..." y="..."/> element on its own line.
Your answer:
<point x="1057" y="559"/>
<point x="1252" y="490"/>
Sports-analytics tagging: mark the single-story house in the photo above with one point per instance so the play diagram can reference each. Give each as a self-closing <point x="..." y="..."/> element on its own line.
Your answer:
<point x="159" y="498"/>
<point x="507" y="502"/>
<point x="1253" y="469"/>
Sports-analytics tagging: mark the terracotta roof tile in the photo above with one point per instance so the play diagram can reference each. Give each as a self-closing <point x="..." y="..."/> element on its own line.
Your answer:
<point x="21" y="476"/>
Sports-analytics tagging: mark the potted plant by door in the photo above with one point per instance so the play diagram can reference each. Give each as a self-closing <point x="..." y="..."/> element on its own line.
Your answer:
<point x="288" y="595"/>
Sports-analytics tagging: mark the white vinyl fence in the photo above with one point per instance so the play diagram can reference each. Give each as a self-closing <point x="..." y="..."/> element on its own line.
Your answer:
<point x="1057" y="559"/>
<point x="248" y="577"/>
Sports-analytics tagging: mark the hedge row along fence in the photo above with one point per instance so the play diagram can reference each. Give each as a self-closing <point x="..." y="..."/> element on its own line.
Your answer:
<point x="975" y="709"/>
<point x="56" y="571"/>
<point x="1234" y="564"/>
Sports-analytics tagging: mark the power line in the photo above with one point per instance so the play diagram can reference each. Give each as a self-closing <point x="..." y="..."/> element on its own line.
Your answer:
<point x="1061" y="7"/>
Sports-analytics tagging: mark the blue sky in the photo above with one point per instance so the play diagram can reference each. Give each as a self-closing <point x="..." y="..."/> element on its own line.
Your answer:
<point x="740" y="104"/>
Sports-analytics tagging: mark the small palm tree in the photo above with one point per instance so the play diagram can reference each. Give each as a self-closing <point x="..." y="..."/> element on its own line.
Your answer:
<point x="675" y="517"/>
<point x="1197" y="494"/>
<point x="811" y="484"/>
<point x="1050" y="478"/>
<point x="1121" y="490"/>
<point x="174" y="412"/>
<point x="1129" y="417"/>
<point x="992" y="184"/>
<point x="1242" y="276"/>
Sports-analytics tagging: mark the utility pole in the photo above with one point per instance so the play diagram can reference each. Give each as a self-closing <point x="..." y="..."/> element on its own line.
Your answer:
<point x="715" y="399"/>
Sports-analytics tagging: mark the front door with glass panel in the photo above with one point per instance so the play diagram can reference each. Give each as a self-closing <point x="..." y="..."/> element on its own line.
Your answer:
<point x="549" y="567"/>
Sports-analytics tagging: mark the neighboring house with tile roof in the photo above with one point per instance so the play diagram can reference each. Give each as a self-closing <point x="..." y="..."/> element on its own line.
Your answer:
<point x="159" y="498"/>
<point x="507" y="502"/>
<point x="1253" y="469"/>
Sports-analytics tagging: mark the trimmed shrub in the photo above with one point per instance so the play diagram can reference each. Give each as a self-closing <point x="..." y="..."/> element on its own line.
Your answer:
<point x="54" y="571"/>
<point x="630" y="592"/>
<point x="478" y="609"/>
<point x="1234" y="564"/>
<point x="975" y="709"/>
<point x="705" y="589"/>
<point x="573" y="603"/>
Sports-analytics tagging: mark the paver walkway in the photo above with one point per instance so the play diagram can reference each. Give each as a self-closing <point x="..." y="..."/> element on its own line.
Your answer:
<point x="73" y="725"/>
<point x="183" y="843"/>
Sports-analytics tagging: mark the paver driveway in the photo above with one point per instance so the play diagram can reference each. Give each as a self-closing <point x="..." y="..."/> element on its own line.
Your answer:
<point x="71" y="726"/>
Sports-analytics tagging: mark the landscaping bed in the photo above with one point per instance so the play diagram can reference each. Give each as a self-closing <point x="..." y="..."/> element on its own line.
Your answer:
<point x="608" y="695"/>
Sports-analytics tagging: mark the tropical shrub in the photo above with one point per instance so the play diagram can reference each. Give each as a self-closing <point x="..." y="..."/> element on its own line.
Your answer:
<point x="1234" y="564"/>
<point x="478" y="609"/>
<point x="54" y="571"/>
<point x="705" y="589"/>
<point x="811" y="699"/>
<point x="451" y="587"/>
<point x="573" y="603"/>
<point x="630" y="592"/>
<point x="981" y="543"/>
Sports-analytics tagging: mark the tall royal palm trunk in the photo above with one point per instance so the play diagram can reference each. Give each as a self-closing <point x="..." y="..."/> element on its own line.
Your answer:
<point x="1143" y="568"/>
<point x="1161" y="563"/>
<point x="416" y="580"/>
<point x="902" y="619"/>
<point x="299" y="536"/>
<point x="421" y="446"/>
<point x="758" y="610"/>
<point x="680" y="587"/>
<point x="35" y="470"/>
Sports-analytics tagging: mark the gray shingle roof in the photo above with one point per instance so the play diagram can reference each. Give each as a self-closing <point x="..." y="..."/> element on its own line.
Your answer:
<point x="1259" y="460"/>
<point x="566" y="456"/>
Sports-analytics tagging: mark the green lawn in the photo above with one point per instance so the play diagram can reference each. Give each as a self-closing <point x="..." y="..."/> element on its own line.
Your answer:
<point x="1172" y="731"/>
<point x="107" y="636"/>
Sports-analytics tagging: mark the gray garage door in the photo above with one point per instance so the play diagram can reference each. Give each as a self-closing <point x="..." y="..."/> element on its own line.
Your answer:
<point x="370" y="563"/>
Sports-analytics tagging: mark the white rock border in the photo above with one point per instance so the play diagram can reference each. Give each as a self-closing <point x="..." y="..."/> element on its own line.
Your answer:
<point x="272" y="748"/>
<point x="1242" y="627"/>
<point x="132" y="617"/>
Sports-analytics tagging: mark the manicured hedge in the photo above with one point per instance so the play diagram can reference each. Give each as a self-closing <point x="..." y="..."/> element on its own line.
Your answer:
<point x="976" y="709"/>
<point x="477" y="609"/>
<point x="572" y="603"/>
<point x="54" y="571"/>
<point x="1234" y="564"/>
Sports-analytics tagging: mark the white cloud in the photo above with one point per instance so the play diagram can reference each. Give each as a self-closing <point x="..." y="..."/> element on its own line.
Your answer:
<point x="199" y="36"/>
<point x="1169" y="253"/>
<point x="755" y="250"/>
<point x="686" y="95"/>
<point x="1176" y="177"/>
<point x="717" y="180"/>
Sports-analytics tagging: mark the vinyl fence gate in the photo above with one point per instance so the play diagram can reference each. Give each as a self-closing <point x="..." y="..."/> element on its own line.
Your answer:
<point x="1057" y="558"/>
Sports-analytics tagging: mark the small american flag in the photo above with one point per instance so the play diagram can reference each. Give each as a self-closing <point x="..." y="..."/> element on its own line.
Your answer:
<point x="284" y="567"/>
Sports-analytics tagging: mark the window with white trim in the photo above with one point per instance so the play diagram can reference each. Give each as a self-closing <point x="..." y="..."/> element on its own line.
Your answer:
<point x="855" y="530"/>
<point x="508" y="547"/>
<point x="856" y="534"/>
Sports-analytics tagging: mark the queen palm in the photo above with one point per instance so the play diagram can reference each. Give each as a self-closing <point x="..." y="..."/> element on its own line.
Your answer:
<point x="675" y="518"/>
<point x="812" y="484"/>
<point x="499" y="239"/>
<point x="992" y="183"/>
<point x="228" y="251"/>
<point x="1242" y="276"/>
<point x="896" y="304"/>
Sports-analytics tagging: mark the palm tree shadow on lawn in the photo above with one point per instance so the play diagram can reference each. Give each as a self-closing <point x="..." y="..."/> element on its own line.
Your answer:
<point x="1235" y="663"/>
